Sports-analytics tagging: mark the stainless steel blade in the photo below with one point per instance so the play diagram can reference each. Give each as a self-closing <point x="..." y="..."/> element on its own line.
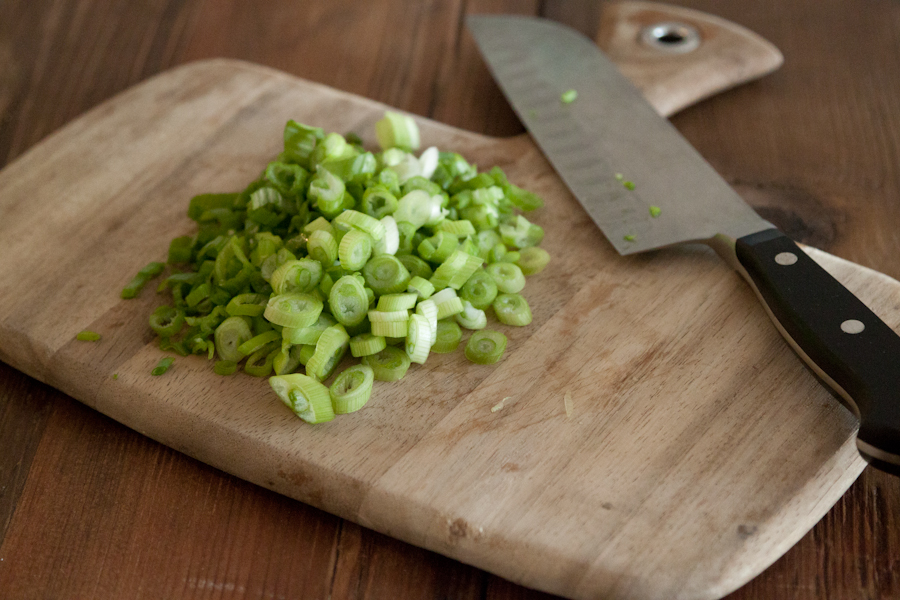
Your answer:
<point x="608" y="135"/>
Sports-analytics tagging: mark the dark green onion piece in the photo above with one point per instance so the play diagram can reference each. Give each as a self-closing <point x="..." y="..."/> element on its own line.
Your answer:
<point x="485" y="347"/>
<point x="140" y="280"/>
<point x="390" y="364"/>
<point x="167" y="321"/>
<point x="162" y="366"/>
<point x="533" y="260"/>
<point x="87" y="336"/>
<point x="448" y="336"/>
<point x="225" y="367"/>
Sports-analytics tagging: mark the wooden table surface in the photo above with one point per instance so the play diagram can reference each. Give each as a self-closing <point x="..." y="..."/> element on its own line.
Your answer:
<point x="91" y="509"/>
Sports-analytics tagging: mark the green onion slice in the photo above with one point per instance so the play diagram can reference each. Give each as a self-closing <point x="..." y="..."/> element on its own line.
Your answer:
<point x="348" y="300"/>
<point x="485" y="347"/>
<point x="448" y="336"/>
<point x="230" y="334"/>
<point x="533" y="260"/>
<point x="447" y="303"/>
<point x="225" y="367"/>
<point x="429" y="310"/>
<point x="512" y="309"/>
<point x="259" y="363"/>
<point x="330" y="349"/>
<point x="386" y="275"/>
<point x="471" y="317"/>
<point x="293" y="309"/>
<point x="162" y="366"/>
<point x="390" y="364"/>
<point x="508" y="277"/>
<point x="421" y="288"/>
<point x="87" y="336"/>
<point x="390" y="329"/>
<point x="306" y="397"/>
<point x="167" y="321"/>
<point x="308" y="335"/>
<point x="352" y="389"/>
<point x="297" y="276"/>
<point x="140" y="280"/>
<point x="354" y="249"/>
<point x="352" y="219"/>
<point x="396" y="130"/>
<point x="259" y="341"/>
<point x="480" y="290"/>
<point x="322" y="247"/>
<point x="392" y="302"/>
<point x="365" y="344"/>
<point x="418" y="339"/>
<point x="249" y="305"/>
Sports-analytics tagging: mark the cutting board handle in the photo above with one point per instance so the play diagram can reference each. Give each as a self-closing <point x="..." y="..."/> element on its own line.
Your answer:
<point x="677" y="56"/>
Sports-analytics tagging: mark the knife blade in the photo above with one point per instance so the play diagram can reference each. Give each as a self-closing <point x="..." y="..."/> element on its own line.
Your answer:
<point x="647" y="188"/>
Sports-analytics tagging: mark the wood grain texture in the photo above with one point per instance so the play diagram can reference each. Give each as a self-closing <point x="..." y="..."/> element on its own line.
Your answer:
<point x="836" y="192"/>
<point x="681" y="391"/>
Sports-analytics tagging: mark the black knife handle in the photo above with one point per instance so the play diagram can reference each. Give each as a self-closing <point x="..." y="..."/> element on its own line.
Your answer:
<point x="843" y="341"/>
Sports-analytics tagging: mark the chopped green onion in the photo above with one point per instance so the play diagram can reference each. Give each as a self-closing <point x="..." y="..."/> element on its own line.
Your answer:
<point x="365" y="344"/>
<point x="259" y="363"/>
<point x="348" y="300"/>
<point x="655" y="211"/>
<point x="416" y="266"/>
<point x="162" y="366"/>
<point x="180" y="249"/>
<point x="390" y="329"/>
<point x="485" y="347"/>
<point x="167" y="321"/>
<point x="140" y="280"/>
<point x="533" y="260"/>
<point x="285" y="361"/>
<point x="397" y="131"/>
<point x="249" y="305"/>
<point x="87" y="336"/>
<point x="308" y="335"/>
<point x="512" y="309"/>
<point x="391" y="241"/>
<point x="297" y="276"/>
<point x="306" y="397"/>
<point x="225" y="367"/>
<point x="629" y="185"/>
<point x="471" y="317"/>
<point x="438" y="247"/>
<point x="229" y="335"/>
<point x="422" y="288"/>
<point x="259" y="341"/>
<point x="479" y="290"/>
<point x="322" y="247"/>
<point x="386" y="275"/>
<point x="568" y="97"/>
<point x="456" y="270"/>
<point x="330" y="349"/>
<point x="508" y="277"/>
<point x="447" y="337"/>
<point x="628" y="238"/>
<point x="418" y="339"/>
<point x="390" y="364"/>
<point x="391" y="302"/>
<point x="447" y="303"/>
<point x="351" y="219"/>
<point x="293" y="309"/>
<point x="378" y="202"/>
<point x="429" y="310"/>
<point x="354" y="249"/>
<point x="352" y="389"/>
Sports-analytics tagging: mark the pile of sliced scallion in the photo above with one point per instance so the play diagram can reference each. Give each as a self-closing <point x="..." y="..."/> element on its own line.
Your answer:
<point x="335" y="249"/>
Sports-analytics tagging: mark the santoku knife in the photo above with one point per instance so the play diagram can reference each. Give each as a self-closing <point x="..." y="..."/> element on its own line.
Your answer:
<point x="623" y="161"/>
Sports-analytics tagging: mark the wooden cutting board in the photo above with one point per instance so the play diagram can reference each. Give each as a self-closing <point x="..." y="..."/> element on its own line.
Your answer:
<point x="697" y="450"/>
